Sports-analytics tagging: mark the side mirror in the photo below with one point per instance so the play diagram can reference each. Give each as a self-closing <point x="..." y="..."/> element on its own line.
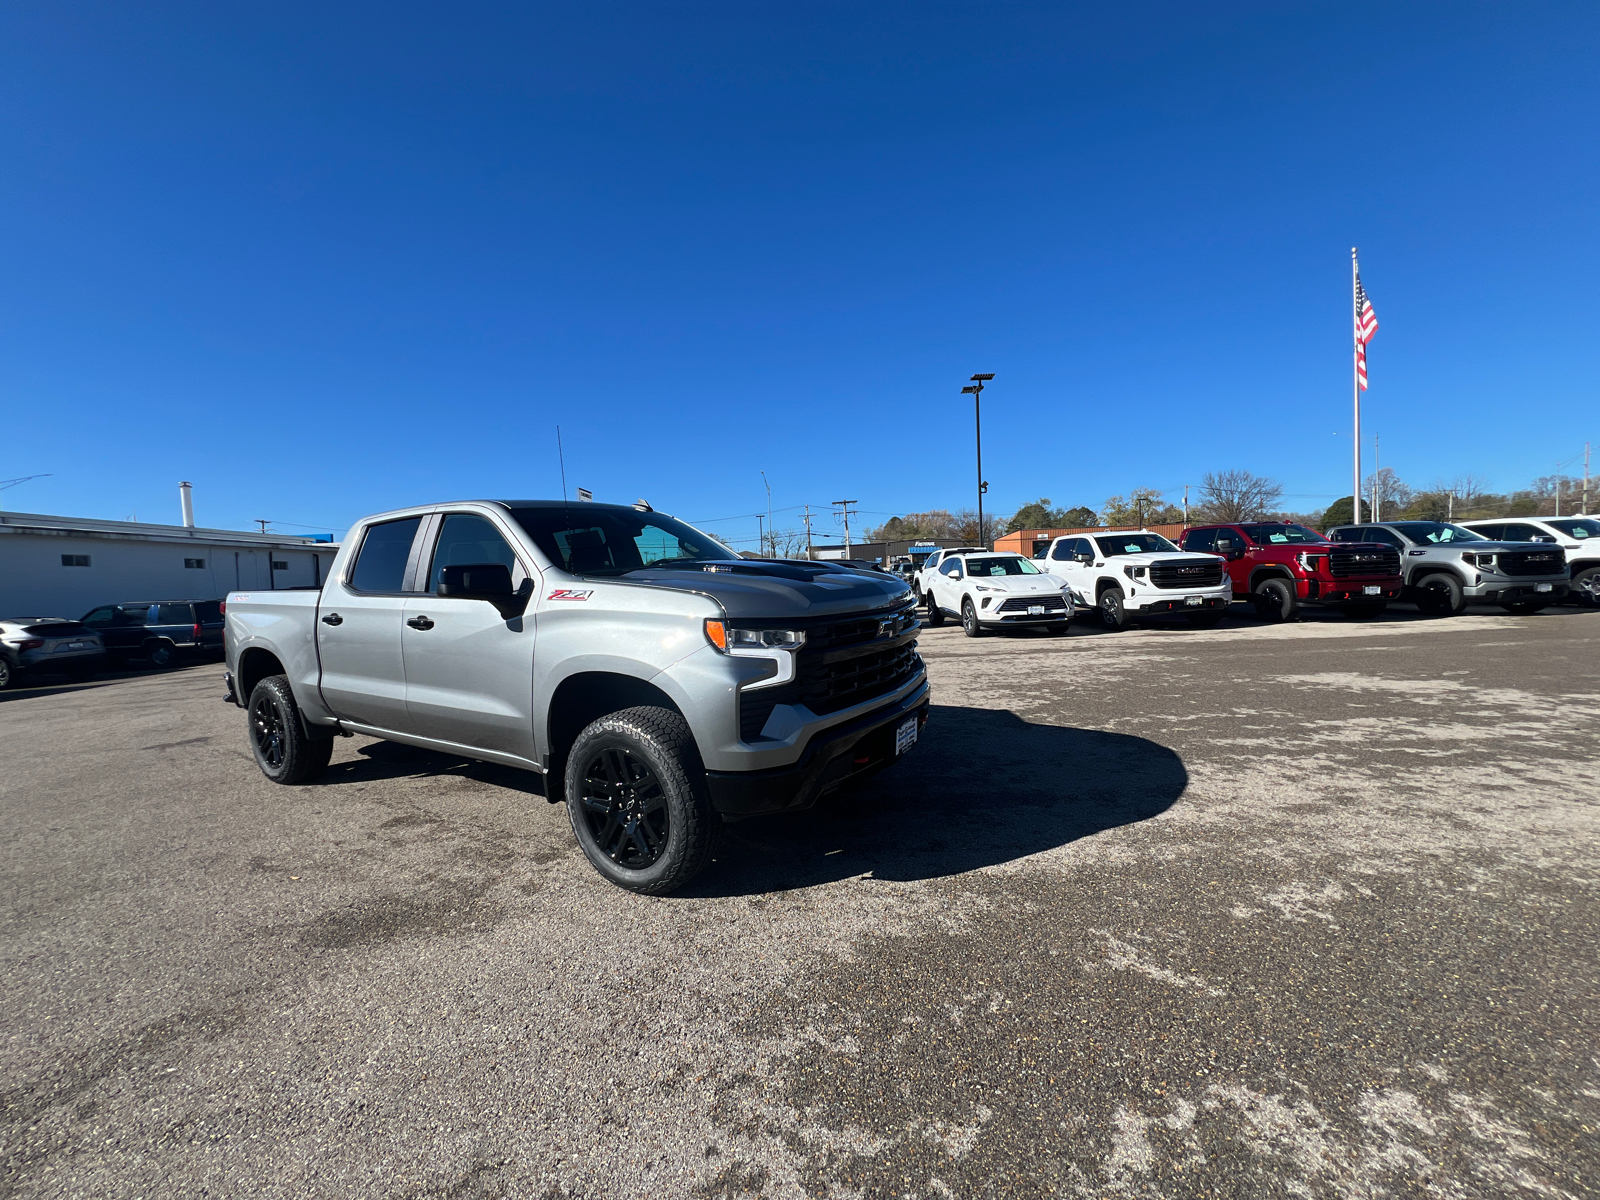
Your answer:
<point x="1229" y="549"/>
<point x="486" y="581"/>
<point x="1083" y="558"/>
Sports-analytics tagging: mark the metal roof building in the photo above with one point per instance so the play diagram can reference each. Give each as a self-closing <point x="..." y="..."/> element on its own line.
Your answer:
<point x="64" y="566"/>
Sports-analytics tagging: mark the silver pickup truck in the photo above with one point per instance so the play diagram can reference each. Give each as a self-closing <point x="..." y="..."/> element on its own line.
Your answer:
<point x="660" y="683"/>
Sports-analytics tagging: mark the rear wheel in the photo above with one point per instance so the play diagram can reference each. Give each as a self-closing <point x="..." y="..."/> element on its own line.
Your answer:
<point x="637" y="800"/>
<point x="1275" y="600"/>
<point x="283" y="749"/>
<point x="1440" y="594"/>
<point x="1362" y="612"/>
<point x="161" y="654"/>
<point x="969" y="619"/>
<point x="935" y="613"/>
<point x="1113" y="615"/>
<point x="8" y="674"/>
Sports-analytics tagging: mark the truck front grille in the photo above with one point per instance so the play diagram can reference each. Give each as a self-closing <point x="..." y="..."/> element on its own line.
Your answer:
<point x="1363" y="560"/>
<point x="842" y="664"/>
<point x="1532" y="562"/>
<point x="1186" y="573"/>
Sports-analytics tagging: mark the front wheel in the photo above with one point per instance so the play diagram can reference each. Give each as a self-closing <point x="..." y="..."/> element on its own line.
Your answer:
<point x="1586" y="587"/>
<point x="278" y="739"/>
<point x="637" y="800"/>
<point x="969" y="619"/>
<point x="935" y="613"/>
<point x="1275" y="600"/>
<point x="1113" y="613"/>
<point x="1441" y="595"/>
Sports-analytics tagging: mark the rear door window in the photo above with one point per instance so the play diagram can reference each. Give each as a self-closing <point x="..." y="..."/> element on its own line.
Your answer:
<point x="208" y="613"/>
<point x="133" y="614"/>
<point x="174" y="614"/>
<point x="1495" y="533"/>
<point x="381" y="562"/>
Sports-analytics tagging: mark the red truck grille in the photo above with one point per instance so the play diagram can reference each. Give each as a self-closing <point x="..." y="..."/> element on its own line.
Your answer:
<point x="1363" y="560"/>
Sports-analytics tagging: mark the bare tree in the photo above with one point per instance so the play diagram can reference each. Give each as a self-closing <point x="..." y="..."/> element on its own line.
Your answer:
<point x="1238" y="496"/>
<point x="965" y="527"/>
<point x="1393" y="494"/>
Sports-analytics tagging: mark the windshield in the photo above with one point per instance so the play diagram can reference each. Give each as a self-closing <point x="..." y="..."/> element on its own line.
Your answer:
<point x="1580" y="529"/>
<point x="587" y="540"/>
<point x="1134" y="543"/>
<point x="1437" y="532"/>
<point x="1283" y="535"/>
<point x="1009" y="565"/>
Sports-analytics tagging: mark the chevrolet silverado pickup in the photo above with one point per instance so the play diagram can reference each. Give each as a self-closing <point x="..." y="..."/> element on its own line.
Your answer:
<point x="1281" y="566"/>
<point x="658" y="682"/>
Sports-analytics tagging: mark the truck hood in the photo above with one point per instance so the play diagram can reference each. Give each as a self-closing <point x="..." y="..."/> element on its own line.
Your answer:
<point x="760" y="590"/>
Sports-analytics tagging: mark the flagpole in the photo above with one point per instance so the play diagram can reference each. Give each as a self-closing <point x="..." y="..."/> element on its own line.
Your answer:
<point x="1355" y="389"/>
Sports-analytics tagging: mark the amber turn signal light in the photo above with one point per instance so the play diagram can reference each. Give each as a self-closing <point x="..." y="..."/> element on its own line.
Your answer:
<point x="717" y="635"/>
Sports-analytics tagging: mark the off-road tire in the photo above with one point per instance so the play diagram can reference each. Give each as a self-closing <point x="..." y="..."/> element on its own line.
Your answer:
<point x="1523" y="608"/>
<point x="1113" y="615"/>
<point x="161" y="654"/>
<point x="1363" y="612"/>
<point x="659" y="739"/>
<point x="935" y="613"/>
<point x="1586" y="588"/>
<point x="969" y="619"/>
<point x="283" y="749"/>
<point x="1440" y="595"/>
<point x="1275" y="600"/>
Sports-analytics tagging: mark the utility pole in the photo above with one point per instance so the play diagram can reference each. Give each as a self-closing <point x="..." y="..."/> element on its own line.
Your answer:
<point x="263" y="522"/>
<point x="976" y="392"/>
<point x="1377" y="470"/>
<point x="761" y="538"/>
<point x="808" y="533"/>
<point x="1585" y="511"/>
<point x="844" y="505"/>
<point x="1186" y="504"/>
<point x="1558" y="489"/>
<point x="770" y="532"/>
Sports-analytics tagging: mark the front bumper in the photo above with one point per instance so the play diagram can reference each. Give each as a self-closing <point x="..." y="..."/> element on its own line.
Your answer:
<point x="1499" y="593"/>
<point x="1209" y="602"/>
<point x="831" y="758"/>
<point x="1351" y="591"/>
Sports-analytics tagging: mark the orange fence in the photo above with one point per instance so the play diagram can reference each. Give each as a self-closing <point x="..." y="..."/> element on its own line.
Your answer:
<point x="1025" y="541"/>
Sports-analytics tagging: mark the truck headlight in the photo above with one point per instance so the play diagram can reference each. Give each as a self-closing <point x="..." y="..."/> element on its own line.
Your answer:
<point x="730" y="639"/>
<point x="1133" y="572"/>
<point x="1311" y="563"/>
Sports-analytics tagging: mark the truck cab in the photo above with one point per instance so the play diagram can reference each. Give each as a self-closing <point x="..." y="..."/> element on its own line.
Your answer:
<point x="1281" y="566"/>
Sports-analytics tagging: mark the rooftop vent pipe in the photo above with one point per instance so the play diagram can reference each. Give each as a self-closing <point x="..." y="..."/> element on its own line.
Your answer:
<point x="186" y="498"/>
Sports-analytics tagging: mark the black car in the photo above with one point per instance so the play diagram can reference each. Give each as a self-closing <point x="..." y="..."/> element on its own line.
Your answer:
<point x="160" y="631"/>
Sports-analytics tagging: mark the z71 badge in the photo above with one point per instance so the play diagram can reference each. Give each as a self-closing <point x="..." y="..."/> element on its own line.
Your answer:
<point x="569" y="594"/>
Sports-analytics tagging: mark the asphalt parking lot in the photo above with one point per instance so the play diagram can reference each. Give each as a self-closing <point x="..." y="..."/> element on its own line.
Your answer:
<point x="1295" y="910"/>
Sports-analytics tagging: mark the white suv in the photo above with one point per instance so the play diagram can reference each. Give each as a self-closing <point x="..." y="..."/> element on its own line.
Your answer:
<point x="1578" y="536"/>
<point x="921" y="581"/>
<point x="1135" y="574"/>
<point x="986" y="590"/>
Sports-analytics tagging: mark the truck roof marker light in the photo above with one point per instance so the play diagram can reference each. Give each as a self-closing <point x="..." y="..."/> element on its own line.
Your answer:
<point x="717" y="635"/>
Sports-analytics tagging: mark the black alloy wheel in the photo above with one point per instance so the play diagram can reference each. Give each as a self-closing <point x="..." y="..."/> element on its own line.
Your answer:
<point x="625" y="808"/>
<point x="1586" y="588"/>
<point x="268" y="730"/>
<point x="1112" y="613"/>
<point x="1440" y="594"/>
<point x="969" y="619"/>
<point x="1275" y="600"/>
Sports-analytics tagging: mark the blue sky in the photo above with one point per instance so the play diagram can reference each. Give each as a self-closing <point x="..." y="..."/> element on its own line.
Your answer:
<point x="328" y="259"/>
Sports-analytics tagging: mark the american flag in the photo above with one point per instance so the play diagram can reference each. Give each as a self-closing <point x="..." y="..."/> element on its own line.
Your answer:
<point x="1366" y="326"/>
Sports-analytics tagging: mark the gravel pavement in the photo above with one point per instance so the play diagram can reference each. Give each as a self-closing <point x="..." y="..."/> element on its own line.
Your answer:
<point x="1299" y="910"/>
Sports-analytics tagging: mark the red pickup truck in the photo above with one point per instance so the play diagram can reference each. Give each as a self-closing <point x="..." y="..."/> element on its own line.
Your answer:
<point x="1281" y="566"/>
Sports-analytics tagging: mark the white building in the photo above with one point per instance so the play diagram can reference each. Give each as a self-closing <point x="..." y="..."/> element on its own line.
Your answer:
<point x="64" y="566"/>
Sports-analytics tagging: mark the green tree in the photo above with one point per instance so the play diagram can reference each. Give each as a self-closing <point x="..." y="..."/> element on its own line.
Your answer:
<point x="1039" y="515"/>
<point x="1338" y="513"/>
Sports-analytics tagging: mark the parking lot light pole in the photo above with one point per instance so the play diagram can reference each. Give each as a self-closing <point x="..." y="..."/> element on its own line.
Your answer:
<point x="976" y="392"/>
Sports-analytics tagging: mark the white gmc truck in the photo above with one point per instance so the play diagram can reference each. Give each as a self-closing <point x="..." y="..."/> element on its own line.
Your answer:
<point x="1125" y="576"/>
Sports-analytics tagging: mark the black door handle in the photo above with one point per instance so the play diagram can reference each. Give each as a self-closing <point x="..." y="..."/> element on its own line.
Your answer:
<point x="333" y="619"/>
<point x="420" y="622"/>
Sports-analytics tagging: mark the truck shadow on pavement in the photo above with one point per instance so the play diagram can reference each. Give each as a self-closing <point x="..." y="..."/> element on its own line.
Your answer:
<point x="982" y="788"/>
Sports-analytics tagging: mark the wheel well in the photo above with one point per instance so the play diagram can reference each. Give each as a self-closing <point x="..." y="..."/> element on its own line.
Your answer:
<point x="254" y="666"/>
<point x="1423" y="573"/>
<point x="1270" y="573"/>
<point x="1101" y="584"/>
<point x="585" y="697"/>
